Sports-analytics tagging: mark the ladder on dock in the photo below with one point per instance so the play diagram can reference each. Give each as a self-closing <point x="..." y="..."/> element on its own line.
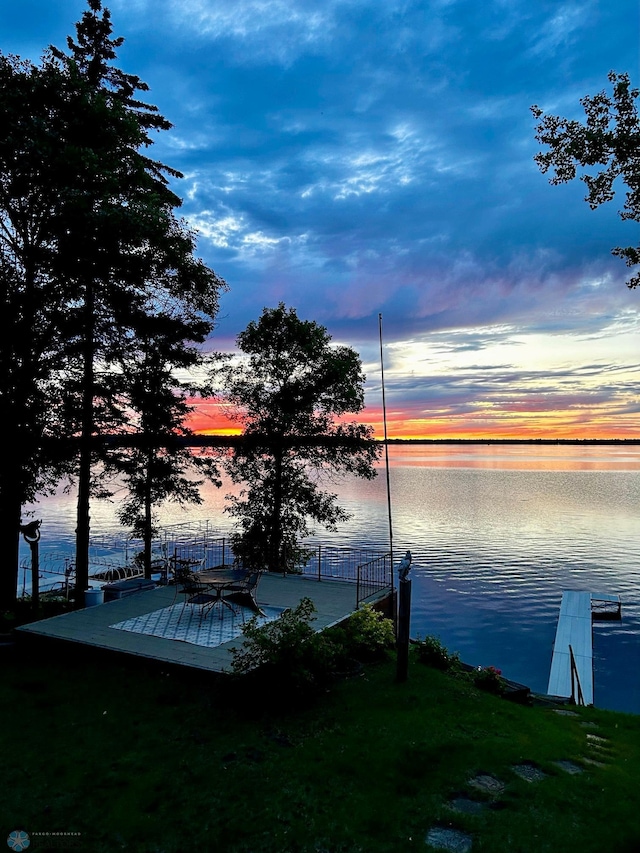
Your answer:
<point x="572" y="662"/>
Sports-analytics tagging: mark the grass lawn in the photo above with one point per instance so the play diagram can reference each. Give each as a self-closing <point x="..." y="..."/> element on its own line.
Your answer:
<point x="136" y="758"/>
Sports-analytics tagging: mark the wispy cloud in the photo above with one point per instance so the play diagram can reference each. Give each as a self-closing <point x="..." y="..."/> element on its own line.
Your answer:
<point x="354" y="157"/>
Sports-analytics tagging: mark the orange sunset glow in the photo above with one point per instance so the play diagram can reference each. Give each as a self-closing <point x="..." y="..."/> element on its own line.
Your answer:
<point x="210" y="419"/>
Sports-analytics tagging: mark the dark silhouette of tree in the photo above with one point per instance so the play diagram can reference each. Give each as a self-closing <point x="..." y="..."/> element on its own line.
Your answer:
<point x="610" y="138"/>
<point x="90" y="247"/>
<point x="286" y="391"/>
<point x="123" y="243"/>
<point x="32" y="300"/>
<point x="159" y="467"/>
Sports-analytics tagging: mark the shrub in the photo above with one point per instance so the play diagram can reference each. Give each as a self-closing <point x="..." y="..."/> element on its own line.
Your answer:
<point x="23" y="611"/>
<point x="289" y="648"/>
<point x="368" y="634"/>
<point x="432" y="653"/>
<point x="280" y="643"/>
<point x="489" y="678"/>
<point x="296" y="654"/>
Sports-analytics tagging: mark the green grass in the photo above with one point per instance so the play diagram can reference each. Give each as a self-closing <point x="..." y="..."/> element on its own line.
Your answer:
<point x="136" y="758"/>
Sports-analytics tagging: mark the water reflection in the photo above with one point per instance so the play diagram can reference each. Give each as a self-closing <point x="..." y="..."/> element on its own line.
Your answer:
<point x="497" y="533"/>
<point x="533" y="457"/>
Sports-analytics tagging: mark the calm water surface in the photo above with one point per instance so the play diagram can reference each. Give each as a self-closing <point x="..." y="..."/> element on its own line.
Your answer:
<point x="497" y="532"/>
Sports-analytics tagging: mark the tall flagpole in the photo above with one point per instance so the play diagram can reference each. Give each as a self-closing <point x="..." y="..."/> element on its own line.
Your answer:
<point x="386" y="450"/>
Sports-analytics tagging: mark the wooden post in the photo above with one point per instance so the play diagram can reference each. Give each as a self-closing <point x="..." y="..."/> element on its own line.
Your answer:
<point x="35" y="575"/>
<point x="31" y="535"/>
<point x="404" y="620"/>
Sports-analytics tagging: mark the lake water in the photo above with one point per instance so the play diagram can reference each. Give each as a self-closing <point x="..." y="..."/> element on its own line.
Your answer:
<point x="497" y="532"/>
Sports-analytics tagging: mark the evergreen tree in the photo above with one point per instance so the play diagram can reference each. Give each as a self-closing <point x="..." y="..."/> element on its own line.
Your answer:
<point x="159" y="466"/>
<point x="32" y="300"/>
<point x="89" y="247"/>
<point x="121" y="242"/>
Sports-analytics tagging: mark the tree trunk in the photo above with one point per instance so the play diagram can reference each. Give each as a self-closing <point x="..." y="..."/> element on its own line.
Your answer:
<point x="10" y="510"/>
<point x="275" y="544"/>
<point x="84" y="474"/>
<point x="148" y="526"/>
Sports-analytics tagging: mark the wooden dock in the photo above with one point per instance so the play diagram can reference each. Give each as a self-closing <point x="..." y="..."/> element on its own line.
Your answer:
<point x="575" y="629"/>
<point x="104" y="626"/>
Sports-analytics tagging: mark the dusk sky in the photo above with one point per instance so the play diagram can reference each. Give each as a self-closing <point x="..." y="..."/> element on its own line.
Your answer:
<point x="351" y="158"/>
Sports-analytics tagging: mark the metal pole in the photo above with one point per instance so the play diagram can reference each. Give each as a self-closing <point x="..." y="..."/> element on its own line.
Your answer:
<point x="386" y="451"/>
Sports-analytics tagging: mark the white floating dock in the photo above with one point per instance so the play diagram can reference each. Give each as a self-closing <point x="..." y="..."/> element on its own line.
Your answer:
<point x="577" y="611"/>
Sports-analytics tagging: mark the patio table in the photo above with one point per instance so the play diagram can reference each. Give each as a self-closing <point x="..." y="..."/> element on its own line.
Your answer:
<point x="230" y="581"/>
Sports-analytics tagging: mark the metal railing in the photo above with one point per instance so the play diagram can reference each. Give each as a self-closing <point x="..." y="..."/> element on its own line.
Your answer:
<point x="370" y="570"/>
<point x="577" y="696"/>
<point x="116" y="557"/>
<point x="373" y="577"/>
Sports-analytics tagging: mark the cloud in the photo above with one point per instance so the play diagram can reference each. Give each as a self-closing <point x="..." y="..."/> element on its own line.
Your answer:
<point x="355" y="157"/>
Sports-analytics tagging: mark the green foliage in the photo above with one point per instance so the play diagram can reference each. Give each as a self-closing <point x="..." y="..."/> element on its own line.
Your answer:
<point x="294" y="653"/>
<point x="284" y="645"/>
<point x="489" y="678"/>
<point x="286" y="393"/>
<point x="432" y="652"/>
<point x="23" y="612"/>
<point x="369" y="634"/>
<point x="610" y="139"/>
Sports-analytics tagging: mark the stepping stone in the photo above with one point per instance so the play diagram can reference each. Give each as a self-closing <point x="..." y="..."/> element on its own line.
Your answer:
<point x="602" y="751"/>
<point x="569" y="767"/>
<point x="485" y="782"/>
<point x="563" y="713"/>
<point x="592" y="762"/>
<point x="452" y="840"/>
<point x="529" y="772"/>
<point x="596" y="740"/>
<point x="587" y="724"/>
<point x="465" y="805"/>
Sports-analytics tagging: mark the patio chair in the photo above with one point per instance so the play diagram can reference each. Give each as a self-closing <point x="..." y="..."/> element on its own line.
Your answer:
<point x="196" y="593"/>
<point x="182" y="570"/>
<point x="243" y="590"/>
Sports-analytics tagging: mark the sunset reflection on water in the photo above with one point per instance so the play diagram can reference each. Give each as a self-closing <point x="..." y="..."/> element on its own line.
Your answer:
<point x="521" y="457"/>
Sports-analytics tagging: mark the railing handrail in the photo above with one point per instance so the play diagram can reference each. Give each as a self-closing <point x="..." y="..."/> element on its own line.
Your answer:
<point x="575" y="679"/>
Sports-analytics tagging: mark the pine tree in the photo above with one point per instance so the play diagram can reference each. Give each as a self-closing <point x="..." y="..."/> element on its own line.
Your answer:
<point x="158" y="465"/>
<point x="90" y="247"/>
<point x="123" y="240"/>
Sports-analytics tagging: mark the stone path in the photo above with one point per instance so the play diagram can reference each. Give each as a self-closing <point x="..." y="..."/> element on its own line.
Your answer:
<point x="449" y="838"/>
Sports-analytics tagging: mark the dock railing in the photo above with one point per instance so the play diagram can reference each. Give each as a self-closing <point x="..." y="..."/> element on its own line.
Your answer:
<point x="114" y="557"/>
<point x="369" y="569"/>
<point x="577" y="696"/>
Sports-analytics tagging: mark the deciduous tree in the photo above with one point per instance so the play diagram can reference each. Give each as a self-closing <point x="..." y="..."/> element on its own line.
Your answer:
<point x="287" y="390"/>
<point x="609" y="138"/>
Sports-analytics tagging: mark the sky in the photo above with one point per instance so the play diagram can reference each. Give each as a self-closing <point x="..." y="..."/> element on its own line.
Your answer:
<point x="353" y="158"/>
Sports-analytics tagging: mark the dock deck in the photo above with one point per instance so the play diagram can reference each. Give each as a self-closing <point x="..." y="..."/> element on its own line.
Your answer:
<point x="154" y="623"/>
<point x="575" y="629"/>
